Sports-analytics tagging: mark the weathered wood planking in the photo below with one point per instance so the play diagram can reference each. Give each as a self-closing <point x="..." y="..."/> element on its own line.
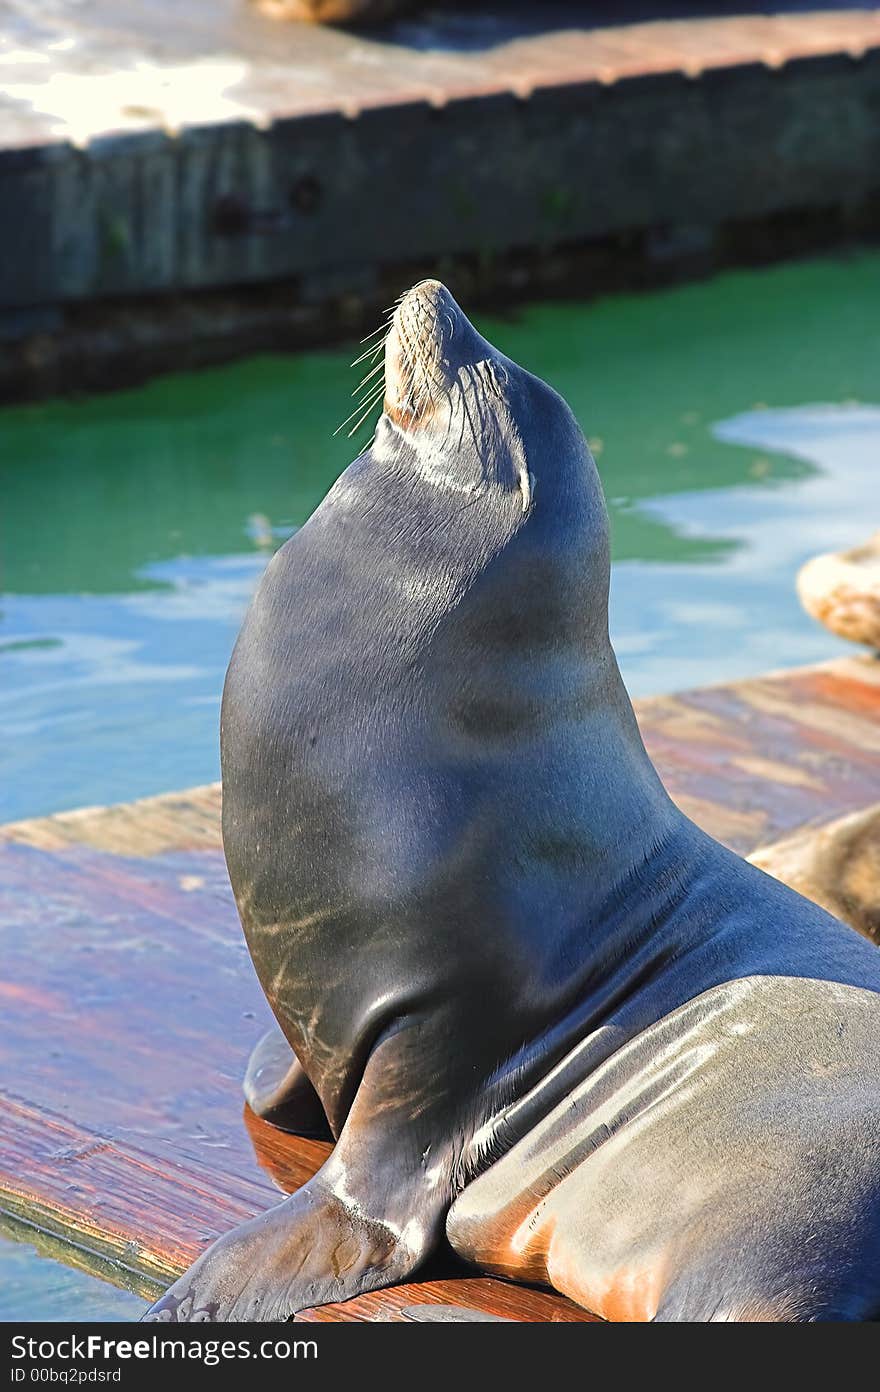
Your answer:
<point x="226" y="149"/>
<point x="130" y="1005"/>
<point x="751" y="761"/>
<point x="129" y="1008"/>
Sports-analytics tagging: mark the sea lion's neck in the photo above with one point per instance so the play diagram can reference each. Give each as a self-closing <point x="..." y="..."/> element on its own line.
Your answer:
<point x="637" y="925"/>
<point x="608" y="804"/>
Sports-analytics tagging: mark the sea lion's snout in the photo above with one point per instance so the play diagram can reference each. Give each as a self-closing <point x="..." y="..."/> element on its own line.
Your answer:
<point x="450" y="393"/>
<point x="418" y="366"/>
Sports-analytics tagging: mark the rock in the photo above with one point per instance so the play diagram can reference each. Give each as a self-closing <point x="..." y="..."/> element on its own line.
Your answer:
<point x="836" y="865"/>
<point x="842" y="590"/>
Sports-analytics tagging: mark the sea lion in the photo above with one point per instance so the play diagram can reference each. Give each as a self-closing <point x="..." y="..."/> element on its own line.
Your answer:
<point x="836" y="864"/>
<point x="335" y="11"/>
<point x="545" y="1016"/>
<point x="842" y="590"/>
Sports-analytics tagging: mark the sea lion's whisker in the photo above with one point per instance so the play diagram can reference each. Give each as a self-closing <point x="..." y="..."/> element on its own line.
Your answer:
<point x="357" y="425"/>
<point x="383" y="328"/>
<point x="372" y="352"/>
<point x="380" y="367"/>
<point x="373" y="349"/>
<point x="361" y="407"/>
<point x="374" y="394"/>
<point x="368" y="404"/>
<point x="367" y="357"/>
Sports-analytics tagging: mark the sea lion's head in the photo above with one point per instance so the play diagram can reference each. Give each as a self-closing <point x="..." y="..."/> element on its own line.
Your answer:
<point x="496" y="444"/>
<point x="468" y="417"/>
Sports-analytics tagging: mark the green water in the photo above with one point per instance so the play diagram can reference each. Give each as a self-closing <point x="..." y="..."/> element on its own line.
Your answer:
<point x="736" y="429"/>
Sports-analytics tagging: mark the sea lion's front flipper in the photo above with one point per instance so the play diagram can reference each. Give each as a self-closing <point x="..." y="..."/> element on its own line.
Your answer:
<point x="371" y="1215"/>
<point x="277" y="1089"/>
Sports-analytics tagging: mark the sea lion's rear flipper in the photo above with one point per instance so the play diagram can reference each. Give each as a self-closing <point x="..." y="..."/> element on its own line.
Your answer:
<point x="277" y="1089"/>
<point x="721" y="1165"/>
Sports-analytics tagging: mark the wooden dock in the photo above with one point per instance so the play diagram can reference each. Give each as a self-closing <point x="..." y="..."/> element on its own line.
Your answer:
<point x="146" y="159"/>
<point x="130" y="1005"/>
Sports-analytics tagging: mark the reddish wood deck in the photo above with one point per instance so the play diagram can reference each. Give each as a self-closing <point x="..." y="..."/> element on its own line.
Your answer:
<point x="130" y="1005"/>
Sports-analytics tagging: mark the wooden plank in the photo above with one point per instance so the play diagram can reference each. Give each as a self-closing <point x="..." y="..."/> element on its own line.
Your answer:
<point x="752" y="761"/>
<point x="129" y="1008"/>
<point x="143" y="77"/>
<point x="130" y="1004"/>
<point x="139" y="161"/>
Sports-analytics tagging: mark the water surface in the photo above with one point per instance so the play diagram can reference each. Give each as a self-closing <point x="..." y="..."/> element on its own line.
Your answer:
<point x="34" y="1287"/>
